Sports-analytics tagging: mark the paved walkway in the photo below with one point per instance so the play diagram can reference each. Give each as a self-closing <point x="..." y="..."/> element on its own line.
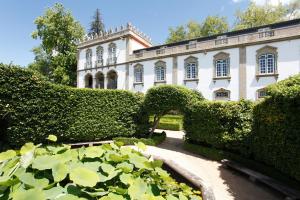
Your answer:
<point x="226" y="184"/>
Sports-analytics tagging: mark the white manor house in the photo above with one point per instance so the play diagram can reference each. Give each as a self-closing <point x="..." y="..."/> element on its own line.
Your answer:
<point x="230" y="66"/>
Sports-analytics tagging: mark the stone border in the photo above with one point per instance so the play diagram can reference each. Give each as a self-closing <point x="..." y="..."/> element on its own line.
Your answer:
<point x="206" y="189"/>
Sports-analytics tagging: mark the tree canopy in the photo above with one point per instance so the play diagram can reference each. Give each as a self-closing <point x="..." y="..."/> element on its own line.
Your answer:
<point x="254" y="15"/>
<point x="56" y="56"/>
<point x="211" y="25"/>
<point x="97" y="25"/>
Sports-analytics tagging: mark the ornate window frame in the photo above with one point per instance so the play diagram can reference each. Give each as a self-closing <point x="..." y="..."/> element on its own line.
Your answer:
<point x="187" y="61"/>
<point x="163" y="66"/>
<point x="88" y="59"/>
<point x="221" y="90"/>
<point x="265" y="51"/>
<point x="112" y="55"/>
<point x="258" y="93"/>
<point x="141" y="68"/>
<point x="99" y="59"/>
<point x="224" y="57"/>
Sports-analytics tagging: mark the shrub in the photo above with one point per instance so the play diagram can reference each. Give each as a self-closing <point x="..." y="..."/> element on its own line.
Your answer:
<point x="222" y="125"/>
<point x="276" y="129"/>
<point x="155" y="140"/>
<point x="34" y="108"/>
<point x="170" y="122"/>
<point x="162" y="99"/>
<point x="96" y="172"/>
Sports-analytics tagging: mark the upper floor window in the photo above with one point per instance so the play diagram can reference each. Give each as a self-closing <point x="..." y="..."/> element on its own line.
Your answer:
<point x="222" y="94"/>
<point x="160" y="71"/>
<point x="265" y="32"/>
<point x="191" y="68"/>
<point x="222" y="65"/>
<point x="112" y="53"/>
<point x="267" y="63"/>
<point x="99" y="55"/>
<point x="266" y="59"/>
<point x="138" y="73"/>
<point x="88" y="55"/>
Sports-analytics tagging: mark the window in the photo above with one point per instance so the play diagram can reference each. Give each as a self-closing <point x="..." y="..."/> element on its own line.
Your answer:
<point x="265" y="32"/>
<point x="191" y="68"/>
<point x="99" y="61"/>
<point x="266" y="59"/>
<point x="138" y="74"/>
<point x="267" y="63"/>
<point x="222" y="94"/>
<point x="222" y="67"/>
<point x="221" y="40"/>
<point x="160" y="71"/>
<point x="89" y="55"/>
<point x="261" y="93"/>
<point x="112" y="53"/>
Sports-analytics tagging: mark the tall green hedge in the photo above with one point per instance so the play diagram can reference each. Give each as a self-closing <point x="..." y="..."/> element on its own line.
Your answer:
<point x="276" y="127"/>
<point x="32" y="108"/>
<point x="222" y="125"/>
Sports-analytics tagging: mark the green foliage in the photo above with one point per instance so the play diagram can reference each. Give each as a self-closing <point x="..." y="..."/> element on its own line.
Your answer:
<point x="56" y="56"/>
<point x="210" y="26"/>
<point x="162" y="99"/>
<point x="155" y="140"/>
<point x="170" y="122"/>
<point x="33" y="108"/>
<point x="276" y="138"/>
<point x="222" y="125"/>
<point x="256" y="15"/>
<point x="59" y="172"/>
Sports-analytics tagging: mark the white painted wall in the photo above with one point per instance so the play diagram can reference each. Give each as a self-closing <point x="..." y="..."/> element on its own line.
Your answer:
<point x="288" y="64"/>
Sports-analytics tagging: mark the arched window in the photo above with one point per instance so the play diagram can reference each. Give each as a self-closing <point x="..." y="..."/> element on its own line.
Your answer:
<point x="222" y="65"/>
<point x="99" y="52"/>
<point x="222" y="94"/>
<point x="191" y="68"/>
<point x="112" y="54"/>
<point x="266" y="59"/>
<point x="160" y="71"/>
<point x="99" y="80"/>
<point x="88" y="55"/>
<point x="138" y="73"/>
<point x="112" y="80"/>
<point x="88" y="79"/>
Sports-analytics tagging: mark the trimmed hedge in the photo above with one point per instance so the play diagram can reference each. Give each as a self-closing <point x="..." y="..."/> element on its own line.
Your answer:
<point x="170" y="122"/>
<point x="276" y="128"/>
<point x="155" y="140"/>
<point x="222" y="125"/>
<point x="32" y="108"/>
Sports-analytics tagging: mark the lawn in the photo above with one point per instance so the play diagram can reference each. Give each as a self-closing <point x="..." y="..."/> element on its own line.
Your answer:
<point x="170" y="122"/>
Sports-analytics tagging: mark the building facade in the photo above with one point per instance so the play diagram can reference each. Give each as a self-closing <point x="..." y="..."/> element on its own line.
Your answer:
<point x="232" y="66"/>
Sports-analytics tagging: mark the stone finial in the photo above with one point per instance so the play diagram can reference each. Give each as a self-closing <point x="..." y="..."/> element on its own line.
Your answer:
<point x="121" y="28"/>
<point x="129" y="25"/>
<point x="116" y="29"/>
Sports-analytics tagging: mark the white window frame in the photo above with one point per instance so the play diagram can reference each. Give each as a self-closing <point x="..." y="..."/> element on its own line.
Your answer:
<point x="138" y="74"/>
<point x="267" y="63"/>
<point x="222" y="67"/>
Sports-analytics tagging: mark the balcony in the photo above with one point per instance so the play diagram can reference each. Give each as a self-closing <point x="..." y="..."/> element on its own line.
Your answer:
<point x="99" y="63"/>
<point x="111" y="61"/>
<point x="88" y="65"/>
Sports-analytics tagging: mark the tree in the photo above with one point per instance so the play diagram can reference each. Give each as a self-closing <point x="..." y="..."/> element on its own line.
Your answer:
<point x="56" y="55"/>
<point x="293" y="9"/>
<point x="256" y="15"/>
<point x="210" y="26"/>
<point x="97" y="24"/>
<point x="213" y="25"/>
<point x="176" y="34"/>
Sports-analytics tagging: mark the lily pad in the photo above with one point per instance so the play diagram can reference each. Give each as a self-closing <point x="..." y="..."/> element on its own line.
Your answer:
<point x="84" y="177"/>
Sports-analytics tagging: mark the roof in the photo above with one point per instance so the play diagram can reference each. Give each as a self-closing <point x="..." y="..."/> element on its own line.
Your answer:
<point x="228" y="34"/>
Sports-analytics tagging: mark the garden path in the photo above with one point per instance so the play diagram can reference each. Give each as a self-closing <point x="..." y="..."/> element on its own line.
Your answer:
<point x="226" y="184"/>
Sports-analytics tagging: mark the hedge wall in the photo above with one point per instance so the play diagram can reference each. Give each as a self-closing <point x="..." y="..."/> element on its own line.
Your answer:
<point x="276" y="127"/>
<point x="222" y="125"/>
<point x="33" y="108"/>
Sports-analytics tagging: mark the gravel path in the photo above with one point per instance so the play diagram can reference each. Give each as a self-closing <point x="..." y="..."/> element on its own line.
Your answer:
<point x="226" y="184"/>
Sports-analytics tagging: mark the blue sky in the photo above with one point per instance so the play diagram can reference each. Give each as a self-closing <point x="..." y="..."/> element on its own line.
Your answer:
<point x="153" y="17"/>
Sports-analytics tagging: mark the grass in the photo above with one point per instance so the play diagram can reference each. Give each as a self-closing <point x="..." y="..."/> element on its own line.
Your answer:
<point x="218" y="155"/>
<point x="170" y="122"/>
<point x="156" y="139"/>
